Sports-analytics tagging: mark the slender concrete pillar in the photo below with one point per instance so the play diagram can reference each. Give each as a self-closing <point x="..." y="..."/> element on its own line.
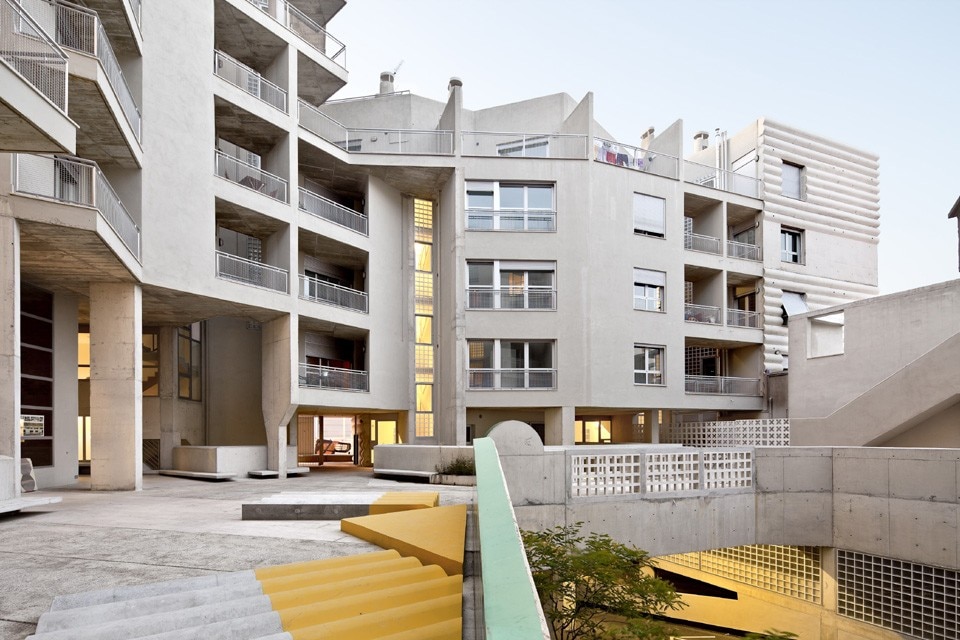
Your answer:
<point x="169" y="393"/>
<point x="558" y="429"/>
<point x="9" y="356"/>
<point x="279" y="393"/>
<point x="828" y="592"/>
<point x="116" y="386"/>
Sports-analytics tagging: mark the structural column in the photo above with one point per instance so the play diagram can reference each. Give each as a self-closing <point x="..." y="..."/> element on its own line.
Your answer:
<point x="9" y="358"/>
<point x="558" y="429"/>
<point x="116" y="386"/>
<point x="279" y="394"/>
<point x="169" y="394"/>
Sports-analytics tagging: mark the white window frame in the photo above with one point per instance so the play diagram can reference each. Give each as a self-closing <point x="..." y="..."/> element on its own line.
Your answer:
<point x="497" y="372"/>
<point x="496" y="290"/>
<point x="649" y="350"/>
<point x="649" y="289"/>
<point x="507" y="218"/>
<point x="642" y="224"/>
<point x="793" y="254"/>
<point x="792" y="180"/>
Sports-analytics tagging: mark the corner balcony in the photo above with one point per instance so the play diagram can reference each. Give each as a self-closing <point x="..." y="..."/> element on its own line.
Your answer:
<point x="714" y="178"/>
<point x="33" y="78"/>
<point x="251" y="177"/>
<point x="386" y="141"/>
<point x="250" y="272"/>
<point x="319" y="377"/>
<point x="512" y="379"/>
<point x="305" y="28"/>
<point x="321" y="207"/>
<point x="723" y="385"/>
<point x="333" y="294"/>
<point x="76" y="182"/>
<point x="479" y="298"/>
<point x="249" y="81"/>
<point x="635" y="158"/>
<point x="702" y="243"/>
<point x="524" y="145"/>
<point x="743" y="251"/>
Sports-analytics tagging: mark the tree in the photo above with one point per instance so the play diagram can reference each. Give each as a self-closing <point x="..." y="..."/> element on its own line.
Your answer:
<point x="582" y="580"/>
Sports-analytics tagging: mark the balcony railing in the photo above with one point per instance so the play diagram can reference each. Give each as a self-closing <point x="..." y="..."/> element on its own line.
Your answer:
<point x="28" y="50"/>
<point x="257" y="274"/>
<point x="524" y="145"/>
<point x="721" y="179"/>
<point x="249" y="80"/>
<point x="738" y="318"/>
<point x="699" y="242"/>
<point x="137" y="10"/>
<point x="318" y="377"/>
<point x="251" y="177"/>
<point x="78" y="182"/>
<point x="305" y="28"/>
<point x="513" y="298"/>
<point x="321" y="207"/>
<point x="80" y="29"/>
<point x="636" y="158"/>
<point x="701" y="313"/>
<point x="512" y="379"/>
<point x="332" y="294"/>
<point x="743" y="251"/>
<point x="502" y="220"/>
<point x="723" y="385"/>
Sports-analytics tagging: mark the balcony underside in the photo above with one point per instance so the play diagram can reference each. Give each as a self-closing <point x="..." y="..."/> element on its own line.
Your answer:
<point x="104" y="135"/>
<point x="120" y="25"/>
<point x="174" y="307"/>
<point x="29" y="122"/>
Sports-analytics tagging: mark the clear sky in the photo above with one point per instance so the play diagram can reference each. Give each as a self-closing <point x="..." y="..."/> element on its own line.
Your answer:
<point x="877" y="75"/>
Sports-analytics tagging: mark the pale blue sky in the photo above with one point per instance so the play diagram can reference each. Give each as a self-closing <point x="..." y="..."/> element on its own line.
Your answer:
<point x="878" y="75"/>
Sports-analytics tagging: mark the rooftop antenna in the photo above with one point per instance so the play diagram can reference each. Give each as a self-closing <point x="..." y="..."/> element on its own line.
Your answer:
<point x="397" y="68"/>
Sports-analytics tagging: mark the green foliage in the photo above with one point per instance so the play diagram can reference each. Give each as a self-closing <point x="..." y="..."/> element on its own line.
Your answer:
<point x="582" y="580"/>
<point x="459" y="466"/>
<point x="773" y="634"/>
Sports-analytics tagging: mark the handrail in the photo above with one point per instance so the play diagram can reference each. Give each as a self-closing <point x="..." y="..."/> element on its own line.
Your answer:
<point x="700" y="242"/>
<point x="738" y="318"/>
<point x="516" y="144"/>
<point x="258" y="274"/>
<point x="334" y="294"/>
<point x="636" y="158"/>
<point x="511" y="220"/>
<point x="307" y="29"/>
<point x="743" y="250"/>
<point x="536" y="379"/>
<point x="33" y="54"/>
<point x="704" y="313"/>
<point x="317" y="205"/>
<point x="715" y="178"/>
<point x="248" y="80"/>
<point x="252" y="177"/>
<point x="512" y="298"/>
<point x="321" y="377"/>
<point x="723" y="385"/>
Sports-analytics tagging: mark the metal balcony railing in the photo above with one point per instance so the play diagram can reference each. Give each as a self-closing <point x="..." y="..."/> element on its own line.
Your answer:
<point x="303" y="26"/>
<point x="507" y="220"/>
<point x="738" y="318"/>
<point x="27" y="49"/>
<point x="392" y="141"/>
<point x="699" y="242"/>
<point x="137" y="11"/>
<point x="249" y="80"/>
<point x="332" y="294"/>
<point x="636" y="158"/>
<point x="265" y="276"/>
<point x="321" y="207"/>
<point x="511" y="379"/>
<point x="318" y="377"/>
<point x="723" y="385"/>
<point x="511" y="298"/>
<point x="524" y="145"/>
<point x="743" y="251"/>
<point x="721" y="179"/>
<point x="77" y="182"/>
<point x="251" y="177"/>
<point x="701" y="313"/>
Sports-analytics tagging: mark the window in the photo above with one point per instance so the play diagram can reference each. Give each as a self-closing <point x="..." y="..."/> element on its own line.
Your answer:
<point x="648" y="289"/>
<point x="511" y="364"/>
<point x="502" y="206"/>
<point x="150" y="367"/>
<point x="825" y="335"/>
<point x="592" y="430"/>
<point x="536" y="147"/>
<point x="190" y="360"/>
<point x="791" y="304"/>
<point x="502" y="284"/>
<point x="792" y="176"/>
<point x="647" y="364"/>
<point x="791" y="245"/>
<point x="649" y="215"/>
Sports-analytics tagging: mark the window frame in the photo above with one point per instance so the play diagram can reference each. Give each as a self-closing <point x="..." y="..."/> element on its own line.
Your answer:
<point x="491" y="296"/>
<point x="647" y="371"/>
<point x="801" y="180"/>
<point x="648" y="230"/>
<point x="188" y="370"/>
<point x="497" y="371"/>
<point x="797" y="251"/>
<point x="501" y="218"/>
<point x="659" y="290"/>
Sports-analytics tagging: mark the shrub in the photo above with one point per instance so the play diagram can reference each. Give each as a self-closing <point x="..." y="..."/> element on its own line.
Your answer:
<point x="459" y="466"/>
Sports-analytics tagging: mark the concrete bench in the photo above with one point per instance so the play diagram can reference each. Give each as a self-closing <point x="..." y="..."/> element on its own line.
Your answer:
<point x="16" y="504"/>
<point x="271" y="473"/>
<point x="405" y="473"/>
<point x="198" y="475"/>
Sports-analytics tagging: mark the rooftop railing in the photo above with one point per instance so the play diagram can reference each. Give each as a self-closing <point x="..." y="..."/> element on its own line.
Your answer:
<point x="328" y="293"/>
<point x="336" y="213"/>
<point x="257" y="274"/>
<point x="636" y="158"/>
<point x="251" y="177"/>
<point x="721" y="179"/>
<point x="524" y="145"/>
<point x="319" y="377"/>
<point x="702" y="243"/>
<point x="512" y="379"/>
<point x="361" y="140"/>
<point x="743" y="250"/>
<point x="511" y="298"/>
<point x="701" y="313"/>
<point x="723" y="385"/>
<point x="28" y="50"/>
<point x="305" y="28"/>
<point x="511" y="220"/>
<point x="77" y="182"/>
<point x="249" y="80"/>
<point x="738" y="318"/>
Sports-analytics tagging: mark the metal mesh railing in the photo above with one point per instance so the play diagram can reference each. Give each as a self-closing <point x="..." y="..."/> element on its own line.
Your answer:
<point x="510" y="379"/>
<point x="515" y="298"/>
<point x="305" y="28"/>
<point x="737" y="318"/>
<point x="248" y="80"/>
<point x="722" y="179"/>
<point x="723" y="385"/>
<point x="636" y="158"/>
<point x="701" y="313"/>
<point x="321" y="207"/>
<point x="699" y="242"/>
<point x="742" y="250"/>
<point x="249" y="176"/>
<point x="336" y="295"/>
<point x="319" y="377"/>
<point x="505" y="220"/>
<point x="231" y="267"/>
<point x="79" y="182"/>
<point x="524" y="145"/>
<point x="28" y="50"/>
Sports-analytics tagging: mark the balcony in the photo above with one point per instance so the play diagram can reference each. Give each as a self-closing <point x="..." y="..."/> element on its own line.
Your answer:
<point x="723" y="385"/>
<point x="721" y="179"/>
<point x="321" y="207"/>
<point x="320" y="377"/>
<point x="701" y="243"/>
<point x="743" y="251"/>
<point x="636" y="158"/>
<point x="524" y="145"/>
<point x="510" y="220"/>
<point x="76" y="182"/>
<point x="332" y="294"/>
<point x="701" y="313"/>
<point x="749" y="319"/>
<point x="304" y="27"/>
<point x="250" y="272"/>
<point x="511" y="299"/>
<point x="251" y="177"/>
<point x="512" y="379"/>
<point x="387" y="141"/>
<point x="249" y="80"/>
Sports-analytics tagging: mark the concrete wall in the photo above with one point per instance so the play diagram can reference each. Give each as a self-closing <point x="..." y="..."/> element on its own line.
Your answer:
<point x="232" y="402"/>
<point x="418" y="457"/>
<point x="225" y="459"/>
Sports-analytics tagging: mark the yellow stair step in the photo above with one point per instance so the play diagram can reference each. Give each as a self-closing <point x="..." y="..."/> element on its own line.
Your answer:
<point x="364" y="584"/>
<point x="389" y="622"/>
<point x="404" y="500"/>
<point x="315" y="578"/>
<point x="265" y="573"/>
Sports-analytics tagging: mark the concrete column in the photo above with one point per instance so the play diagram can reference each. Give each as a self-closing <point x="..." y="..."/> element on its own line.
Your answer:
<point x="65" y="394"/>
<point x="279" y="393"/>
<point x="169" y="392"/>
<point x="558" y="427"/>
<point x="828" y="592"/>
<point x="10" y="356"/>
<point x="116" y="386"/>
<point x="653" y="422"/>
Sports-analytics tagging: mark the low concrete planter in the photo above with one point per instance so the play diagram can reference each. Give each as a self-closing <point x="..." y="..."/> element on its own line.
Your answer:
<point x="460" y="481"/>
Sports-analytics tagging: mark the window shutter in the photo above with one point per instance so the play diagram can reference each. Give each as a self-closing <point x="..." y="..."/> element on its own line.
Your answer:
<point x="648" y="214"/>
<point x="790" y="174"/>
